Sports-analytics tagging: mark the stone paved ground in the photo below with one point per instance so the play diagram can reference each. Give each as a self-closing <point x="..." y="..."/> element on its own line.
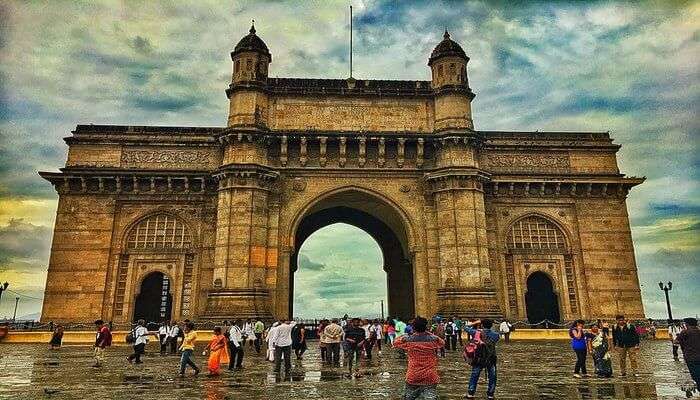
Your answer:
<point x="527" y="370"/>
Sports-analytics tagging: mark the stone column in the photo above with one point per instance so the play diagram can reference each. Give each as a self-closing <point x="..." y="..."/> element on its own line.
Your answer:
<point x="240" y="286"/>
<point x="465" y="285"/>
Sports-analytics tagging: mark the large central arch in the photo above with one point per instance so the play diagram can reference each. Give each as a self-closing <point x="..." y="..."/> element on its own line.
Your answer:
<point x="382" y="220"/>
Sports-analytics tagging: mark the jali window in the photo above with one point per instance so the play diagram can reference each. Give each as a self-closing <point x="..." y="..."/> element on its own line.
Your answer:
<point x="159" y="231"/>
<point x="535" y="233"/>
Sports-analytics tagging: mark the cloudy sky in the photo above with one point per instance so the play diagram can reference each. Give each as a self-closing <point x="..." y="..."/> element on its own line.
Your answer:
<point x="631" y="68"/>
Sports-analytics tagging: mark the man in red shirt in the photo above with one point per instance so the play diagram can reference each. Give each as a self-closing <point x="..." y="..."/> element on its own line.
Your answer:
<point x="421" y="375"/>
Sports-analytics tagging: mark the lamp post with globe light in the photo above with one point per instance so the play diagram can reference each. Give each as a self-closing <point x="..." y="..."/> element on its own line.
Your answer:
<point x="667" y="288"/>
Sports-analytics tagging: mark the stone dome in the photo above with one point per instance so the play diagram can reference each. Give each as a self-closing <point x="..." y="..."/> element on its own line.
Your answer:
<point x="447" y="47"/>
<point x="251" y="42"/>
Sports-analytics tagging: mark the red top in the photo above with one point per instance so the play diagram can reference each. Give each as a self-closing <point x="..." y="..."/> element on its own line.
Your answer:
<point x="422" y="360"/>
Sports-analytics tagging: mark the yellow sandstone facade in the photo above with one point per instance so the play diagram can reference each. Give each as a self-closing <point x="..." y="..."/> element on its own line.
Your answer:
<point x="205" y="223"/>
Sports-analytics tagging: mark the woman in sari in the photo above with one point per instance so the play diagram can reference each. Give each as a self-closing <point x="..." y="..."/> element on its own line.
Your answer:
<point x="218" y="352"/>
<point x="598" y="346"/>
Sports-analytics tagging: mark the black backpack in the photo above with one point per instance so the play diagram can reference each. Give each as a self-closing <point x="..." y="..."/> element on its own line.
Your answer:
<point x="485" y="352"/>
<point x="449" y="329"/>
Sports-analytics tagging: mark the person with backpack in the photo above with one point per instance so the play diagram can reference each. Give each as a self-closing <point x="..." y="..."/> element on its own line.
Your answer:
<point x="102" y="341"/>
<point x="421" y="374"/>
<point x="480" y="352"/>
<point x="174" y="332"/>
<point x="140" y="337"/>
<point x="505" y="328"/>
<point x="450" y="335"/>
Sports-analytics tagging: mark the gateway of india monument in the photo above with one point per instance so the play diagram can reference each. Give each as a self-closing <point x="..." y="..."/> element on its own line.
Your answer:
<point x="205" y="223"/>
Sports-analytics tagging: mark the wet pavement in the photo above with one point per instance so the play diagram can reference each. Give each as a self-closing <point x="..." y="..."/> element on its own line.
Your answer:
<point x="526" y="370"/>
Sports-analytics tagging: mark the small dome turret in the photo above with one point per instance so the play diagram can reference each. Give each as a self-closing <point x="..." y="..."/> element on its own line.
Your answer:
<point x="251" y="42"/>
<point x="447" y="48"/>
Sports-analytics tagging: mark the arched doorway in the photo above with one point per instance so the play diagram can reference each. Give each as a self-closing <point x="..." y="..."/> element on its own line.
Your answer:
<point x="154" y="301"/>
<point x="541" y="301"/>
<point x="380" y="220"/>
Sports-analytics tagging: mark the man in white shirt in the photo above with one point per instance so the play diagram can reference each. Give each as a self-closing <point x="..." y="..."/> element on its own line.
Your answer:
<point x="271" y="332"/>
<point x="505" y="329"/>
<point x="235" y="337"/>
<point x="249" y="332"/>
<point x="173" y="334"/>
<point x="163" y="337"/>
<point x="140" y="334"/>
<point x="674" y="328"/>
<point x="281" y="338"/>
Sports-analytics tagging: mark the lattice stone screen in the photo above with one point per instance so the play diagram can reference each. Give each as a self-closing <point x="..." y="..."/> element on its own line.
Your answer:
<point x="157" y="232"/>
<point x="535" y="233"/>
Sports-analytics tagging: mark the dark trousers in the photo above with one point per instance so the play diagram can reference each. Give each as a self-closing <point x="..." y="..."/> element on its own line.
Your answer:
<point x="236" y="359"/>
<point x="324" y="353"/>
<point x="353" y="356"/>
<point x="139" y="349"/>
<point x="258" y="342"/>
<point x="185" y="360"/>
<point x="506" y="336"/>
<point x="675" y="351"/>
<point x="333" y="355"/>
<point x="474" y="379"/>
<point x="163" y="343"/>
<point x="580" y="362"/>
<point x="459" y="337"/>
<point x="451" y="342"/>
<point x="173" y="344"/>
<point x="368" y="349"/>
<point x="287" y="352"/>
<point x="694" y="368"/>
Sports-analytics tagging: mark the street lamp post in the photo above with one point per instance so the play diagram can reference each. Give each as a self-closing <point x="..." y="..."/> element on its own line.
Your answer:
<point x="666" y="289"/>
<point x="14" y="315"/>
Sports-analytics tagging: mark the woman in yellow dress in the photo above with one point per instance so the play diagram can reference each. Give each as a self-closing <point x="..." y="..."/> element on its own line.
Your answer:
<point x="218" y="352"/>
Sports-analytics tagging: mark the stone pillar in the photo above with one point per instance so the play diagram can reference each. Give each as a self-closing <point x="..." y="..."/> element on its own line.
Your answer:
<point x="465" y="286"/>
<point x="242" y="252"/>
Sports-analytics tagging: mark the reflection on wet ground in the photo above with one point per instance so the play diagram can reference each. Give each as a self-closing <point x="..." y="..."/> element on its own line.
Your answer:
<point x="527" y="370"/>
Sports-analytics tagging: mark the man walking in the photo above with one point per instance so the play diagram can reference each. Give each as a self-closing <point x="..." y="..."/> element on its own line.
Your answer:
<point x="281" y="339"/>
<point x="626" y="342"/>
<point x="174" y="333"/>
<point x="331" y="336"/>
<point x="258" y="330"/>
<point x="674" y="329"/>
<point x="505" y="329"/>
<point x="689" y="341"/>
<point x="103" y="339"/>
<point x="140" y="334"/>
<point x="484" y="340"/>
<point x="236" y="345"/>
<point x="355" y="338"/>
<point x="450" y="335"/>
<point x="421" y="375"/>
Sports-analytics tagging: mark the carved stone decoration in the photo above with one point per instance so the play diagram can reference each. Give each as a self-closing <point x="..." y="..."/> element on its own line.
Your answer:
<point x="380" y="159"/>
<point x="302" y="151"/>
<point x="419" y="153"/>
<point x="526" y="163"/>
<point x="342" y="159"/>
<point x="400" y="152"/>
<point x="405" y="189"/>
<point x="133" y="158"/>
<point x="283" y="151"/>
<point x="299" y="185"/>
<point x="362" y="151"/>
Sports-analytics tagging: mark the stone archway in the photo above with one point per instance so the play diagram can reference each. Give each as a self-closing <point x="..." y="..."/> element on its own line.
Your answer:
<point x="381" y="220"/>
<point x="154" y="301"/>
<point x="541" y="301"/>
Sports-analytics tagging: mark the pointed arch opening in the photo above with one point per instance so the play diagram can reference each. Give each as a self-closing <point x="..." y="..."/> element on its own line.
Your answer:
<point x="379" y="218"/>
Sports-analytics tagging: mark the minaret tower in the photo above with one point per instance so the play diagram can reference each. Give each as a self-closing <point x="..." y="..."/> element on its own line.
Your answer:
<point x="453" y="97"/>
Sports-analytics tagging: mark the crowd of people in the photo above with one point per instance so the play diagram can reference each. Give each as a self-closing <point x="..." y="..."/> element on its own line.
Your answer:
<point x="420" y="340"/>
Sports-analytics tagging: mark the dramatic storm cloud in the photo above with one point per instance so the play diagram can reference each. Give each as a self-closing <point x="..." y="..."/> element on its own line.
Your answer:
<point x="631" y="68"/>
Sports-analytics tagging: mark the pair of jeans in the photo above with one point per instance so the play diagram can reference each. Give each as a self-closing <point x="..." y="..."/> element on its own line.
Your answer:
<point x="675" y="351"/>
<point x="258" y="342"/>
<point x="353" y="355"/>
<point x="185" y="360"/>
<point x="287" y="352"/>
<point x="139" y="349"/>
<point x="474" y="379"/>
<point x="333" y="353"/>
<point x="425" y="392"/>
<point x="580" y="361"/>
<point x="236" y="352"/>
